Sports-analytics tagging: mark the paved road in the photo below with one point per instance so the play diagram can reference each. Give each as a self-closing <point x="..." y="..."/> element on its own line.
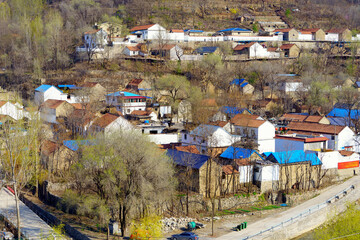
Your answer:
<point x="307" y="223"/>
<point x="31" y="224"/>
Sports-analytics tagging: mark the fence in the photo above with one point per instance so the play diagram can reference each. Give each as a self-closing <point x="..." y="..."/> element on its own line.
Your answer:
<point x="52" y="220"/>
<point x="305" y="213"/>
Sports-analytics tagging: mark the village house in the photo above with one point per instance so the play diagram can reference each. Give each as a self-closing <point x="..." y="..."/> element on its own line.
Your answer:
<point x="290" y="34"/>
<point x="209" y="139"/>
<point x="167" y="51"/>
<point x="149" y="32"/>
<point x="290" y="50"/>
<point x="79" y="121"/>
<point x="109" y="124"/>
<point x="93" y="91"/>
<point x="303" y="117"/>
<point x="298" y="169"/>
<point x="338" y="35"/>
<point x="177" y="35"/>
<point x="255" y="50"/>
<point x="266" y="175"/>
<point x="289" y="84"/>
<point x="292" y="142"/>
<point x="143" y="116"/>
<point x="207" y="50"/>
<point x="260" y="132"/>
<point x="95" y="39"/>
<point x="235" y="32"/>
<point x="312" y="34"/>
<point x="14" y="111"/>
<point x="339" y="164"/>
<point x="225" y="113"/>
<point x="340" y="138"/>
<point x="51" y="110"/>
<point x="126" y="102"/>
<point x="199" y="173"/>
<point x="140" y="86"/>
<point x="243" y="160"/>
<point x="45" y="92"/>
<point x="55" y="157"/>
<point x="242" y="86"/>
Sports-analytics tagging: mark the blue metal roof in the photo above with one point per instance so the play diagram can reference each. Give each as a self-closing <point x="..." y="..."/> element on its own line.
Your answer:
<point x="296" y="156"/>
<point x="124" y="94"/>
<point x="239" y="82"/>
<point x="74" y="144"/>
<point x="340" y="121"/>
<point x="193" y="31"/>
<point x="44" y="88"/>
<point x="202" y="50"/>
<point x="70" y="86"/>
<point x="342" y="110"/>
<point x="238" y="153"/>
<point x="232" y="111"/>
<point x="357" y="84"/>
<point x="187" y="159"/>
<point x="235" y="30"/>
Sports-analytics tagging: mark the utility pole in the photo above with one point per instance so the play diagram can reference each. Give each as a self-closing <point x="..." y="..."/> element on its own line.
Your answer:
<point x="212" y="216"/>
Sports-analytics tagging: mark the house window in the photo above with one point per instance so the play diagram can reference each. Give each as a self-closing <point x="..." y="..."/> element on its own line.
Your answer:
<point x="153" y="132"/>
<point x="128" y="111"/>
<point x="333" y="137"/>
<point x="203" y="141"/>
<point x="252" y="132"/>
<point x="185" y="136"/>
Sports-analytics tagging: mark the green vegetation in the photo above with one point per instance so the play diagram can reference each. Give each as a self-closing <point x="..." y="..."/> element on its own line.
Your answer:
<point x="345" y="224"/>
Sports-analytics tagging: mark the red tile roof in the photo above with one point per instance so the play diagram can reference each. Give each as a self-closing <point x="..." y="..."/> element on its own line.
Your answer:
<point x="2" y="103"/>
<point x="242" y="116"/>
<point x="105" y="120"/>
<point x="140" y="113"/>
<point x="283" y="30"/>
<point x="218" y="123"/>
<point x="53" y="104"/>
<point x="135" y="82"/>
<point x="293" y="117"/>
<point x="143" y="27"/>
<point x="314" y="128"/>
<point x="229" y="169"/>
<point x="336" y="30"/>
<point x="133" y="48"/>
<point x="286" y="46"/>
<point x="346" y="153"/>
<point x="272" y="49"/>
<point x="176" y="30"/>
<point x="78" y="105"/>
<point x="313" y="119"/>
<point x="310" y="30"/>
<point x="242" y="47"/>
<point x="248" y="122"/>
<point x="190" y="149"/>
<point x="48" y="147"/>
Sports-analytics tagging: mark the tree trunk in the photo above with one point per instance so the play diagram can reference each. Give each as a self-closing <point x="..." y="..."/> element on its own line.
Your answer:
<point x="123" y="220"/>
<point x="212" y="216"/>
<point x="17" y="211"/>
<point x="187" y="201"/>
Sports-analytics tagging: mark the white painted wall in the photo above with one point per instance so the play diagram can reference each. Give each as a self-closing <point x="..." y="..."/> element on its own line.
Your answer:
<point x="345" y="138"/>
<point x="118" y="124"/>
<point x="265" y="137"/>
<point x="13" y="111"/>
<point x="334" y="37"/>
<point x="266" y="172"/>
<point x="305" y="37"/>
<point x="96" y="40"/>
<point x="164" y="138"/>
<point x="246" y="173"/>
<point x="329" y="159"/>
<point x="51" y="93"/>
<point x="351" y="158"/>
<point x="258" y="51"/>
